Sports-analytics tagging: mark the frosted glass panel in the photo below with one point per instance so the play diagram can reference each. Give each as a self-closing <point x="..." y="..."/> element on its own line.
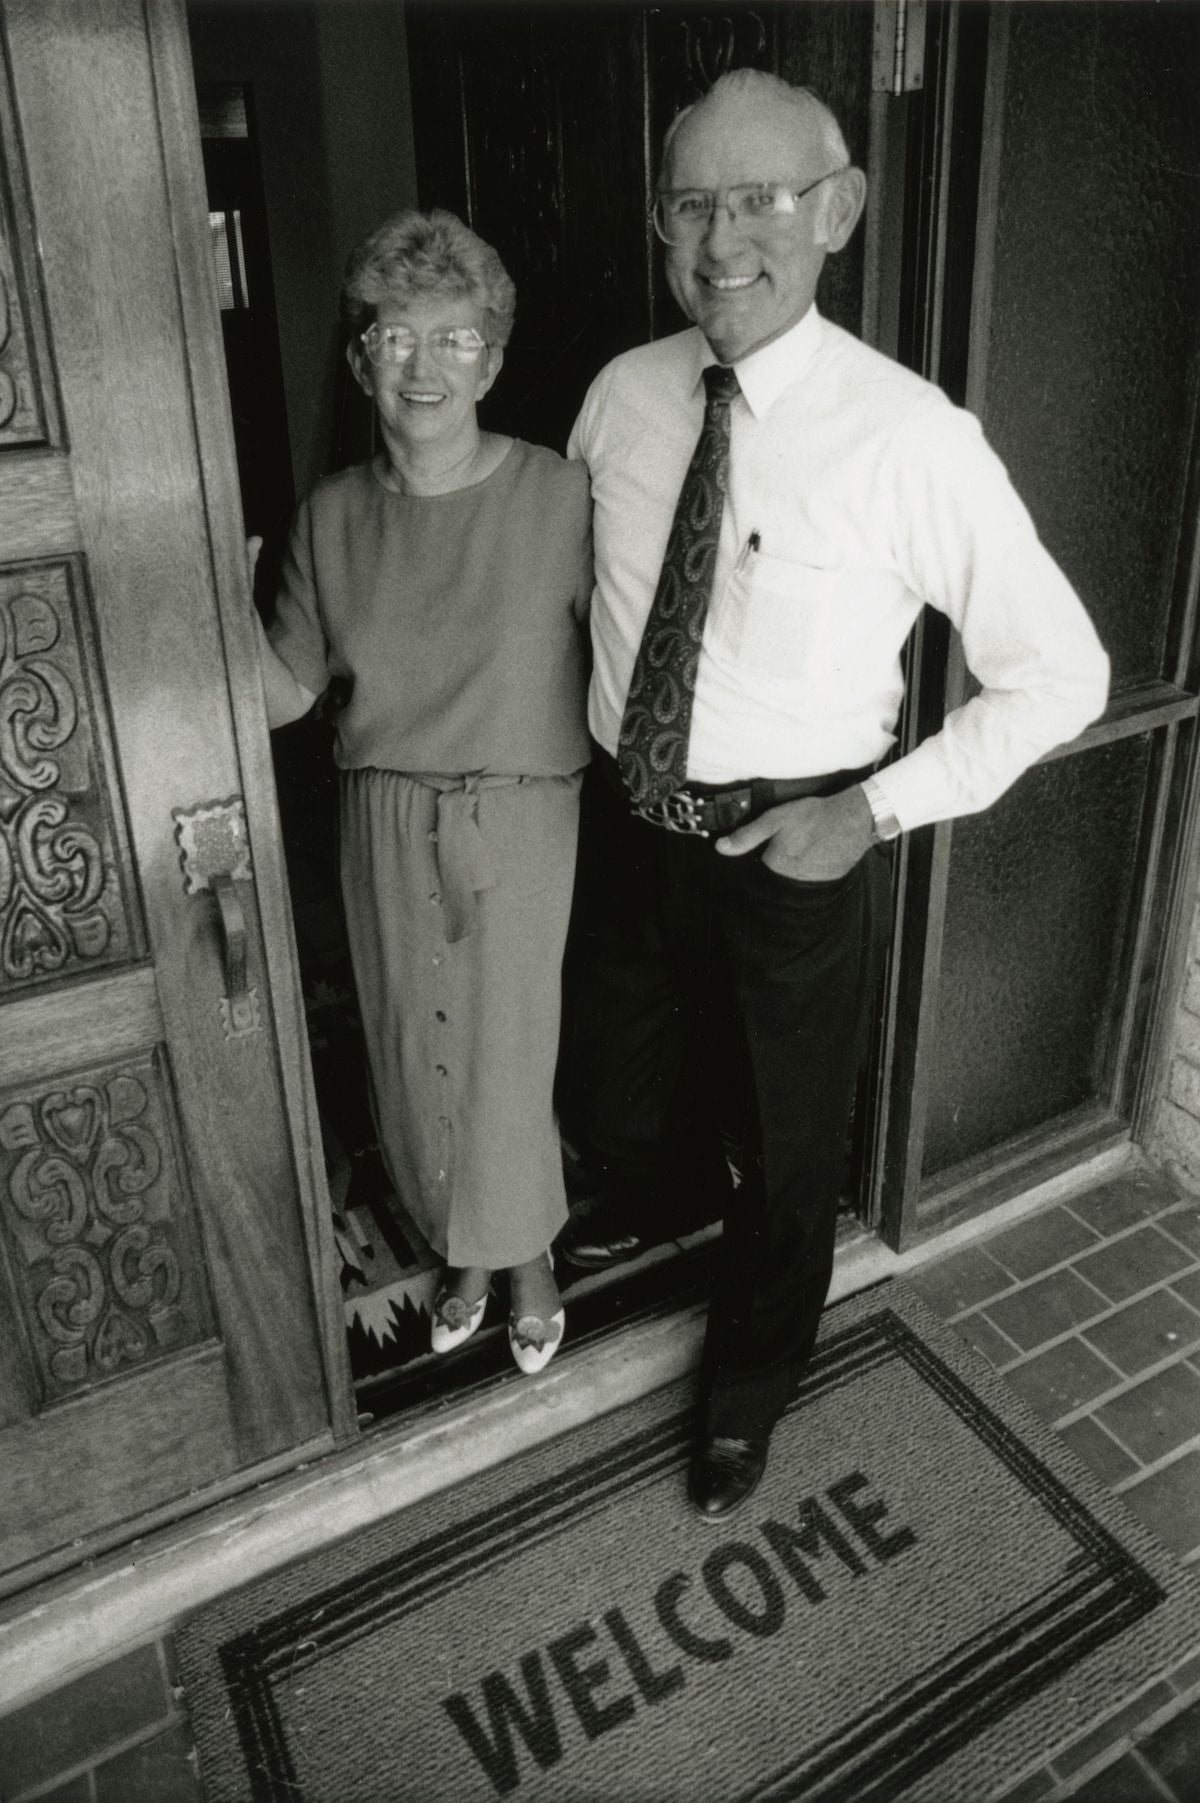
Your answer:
<point x="1091" y="368"/>
<point x="1040" y="894"/>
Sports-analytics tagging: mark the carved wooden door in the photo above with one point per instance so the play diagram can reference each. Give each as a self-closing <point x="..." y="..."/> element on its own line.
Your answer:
<point x="163" y="1321"/>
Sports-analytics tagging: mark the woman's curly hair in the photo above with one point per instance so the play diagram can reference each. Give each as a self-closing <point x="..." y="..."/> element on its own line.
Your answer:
<point x="415" y="253"/>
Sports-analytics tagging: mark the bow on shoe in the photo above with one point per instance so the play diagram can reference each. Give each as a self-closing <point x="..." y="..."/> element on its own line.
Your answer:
<point x="533" y="1341"/>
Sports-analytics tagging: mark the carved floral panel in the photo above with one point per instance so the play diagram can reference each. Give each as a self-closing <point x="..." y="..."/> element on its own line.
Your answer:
<point x="98" y="1225"/>
<point x="716" y="41"/>
<point x="690" y="46"/>
<point x="64" y="898"/>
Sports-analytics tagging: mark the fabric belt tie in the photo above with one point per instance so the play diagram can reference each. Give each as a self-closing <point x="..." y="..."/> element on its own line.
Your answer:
<point x="464" y="864"/>
<point x="711" y="809"/>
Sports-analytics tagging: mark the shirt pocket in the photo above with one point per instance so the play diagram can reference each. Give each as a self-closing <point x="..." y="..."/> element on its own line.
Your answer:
<point x="782" y="616"/>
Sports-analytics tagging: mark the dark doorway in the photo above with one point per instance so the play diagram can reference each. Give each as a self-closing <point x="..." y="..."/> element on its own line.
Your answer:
<point x="539" y="124"/>
<point x="246" y="296"/>
<point x="1016" y="1031"/>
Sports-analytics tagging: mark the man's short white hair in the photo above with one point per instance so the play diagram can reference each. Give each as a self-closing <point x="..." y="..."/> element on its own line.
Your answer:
<point x="757" y="84"/>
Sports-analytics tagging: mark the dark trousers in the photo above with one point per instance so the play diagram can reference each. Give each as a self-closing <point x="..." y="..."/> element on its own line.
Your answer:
<point x="701" y="977"/>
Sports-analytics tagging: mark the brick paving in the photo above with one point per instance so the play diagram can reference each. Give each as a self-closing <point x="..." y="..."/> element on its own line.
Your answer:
<point x="1090" y="1309"/>
<point x="116" y="1735"/>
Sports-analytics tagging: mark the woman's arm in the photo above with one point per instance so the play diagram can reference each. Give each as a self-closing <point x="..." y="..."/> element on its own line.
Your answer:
<point x="286" y="699"/>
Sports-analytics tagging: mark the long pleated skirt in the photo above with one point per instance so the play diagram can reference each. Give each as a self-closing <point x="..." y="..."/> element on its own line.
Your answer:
<point x="457" y="893"/>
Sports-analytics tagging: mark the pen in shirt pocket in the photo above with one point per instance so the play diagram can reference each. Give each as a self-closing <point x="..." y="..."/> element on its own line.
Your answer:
<point x="750" y="549"/>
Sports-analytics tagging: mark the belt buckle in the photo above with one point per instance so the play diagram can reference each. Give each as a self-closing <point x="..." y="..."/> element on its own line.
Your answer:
<point x="678" y="812"/>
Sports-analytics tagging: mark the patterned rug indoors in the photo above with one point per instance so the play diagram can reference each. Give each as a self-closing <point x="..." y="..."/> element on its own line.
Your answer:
<point x="925" y="1591"/>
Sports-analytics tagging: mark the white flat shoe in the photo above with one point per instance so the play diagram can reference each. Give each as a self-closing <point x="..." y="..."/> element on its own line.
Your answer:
<point x="534" y="1342"/>
<point x="454" y="1321"/>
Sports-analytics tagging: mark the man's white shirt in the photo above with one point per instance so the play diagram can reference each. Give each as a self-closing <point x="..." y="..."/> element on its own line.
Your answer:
<point x="857" y="492"/>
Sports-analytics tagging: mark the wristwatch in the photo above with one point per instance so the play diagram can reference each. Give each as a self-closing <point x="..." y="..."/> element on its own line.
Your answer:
<point x="886" y="825"/>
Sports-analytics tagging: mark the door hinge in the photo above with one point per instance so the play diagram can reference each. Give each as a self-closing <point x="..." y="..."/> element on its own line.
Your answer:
<point x="898" y="57"/>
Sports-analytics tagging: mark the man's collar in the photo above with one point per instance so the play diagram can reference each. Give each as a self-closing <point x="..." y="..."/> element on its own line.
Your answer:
<point x="763" y="375"/>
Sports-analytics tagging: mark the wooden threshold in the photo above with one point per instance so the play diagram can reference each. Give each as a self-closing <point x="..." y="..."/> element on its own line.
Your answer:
<point x="135" y="1594"/>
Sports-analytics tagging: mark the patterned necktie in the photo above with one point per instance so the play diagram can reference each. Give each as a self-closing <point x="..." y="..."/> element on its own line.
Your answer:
<point x="652" y="748"/>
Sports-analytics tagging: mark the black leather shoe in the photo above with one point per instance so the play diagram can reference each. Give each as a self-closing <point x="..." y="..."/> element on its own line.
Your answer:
<point x="724" y="1472"/>
<point x="591" y="1253"/>
<point x="598" y="1235"/>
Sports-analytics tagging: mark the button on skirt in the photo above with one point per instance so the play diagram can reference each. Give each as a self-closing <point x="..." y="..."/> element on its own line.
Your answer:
<point x="457" y="895"/>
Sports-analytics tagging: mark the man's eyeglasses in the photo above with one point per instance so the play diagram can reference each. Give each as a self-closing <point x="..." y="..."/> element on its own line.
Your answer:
<point x="396" y="344"/>
<point x="684" y="215"/>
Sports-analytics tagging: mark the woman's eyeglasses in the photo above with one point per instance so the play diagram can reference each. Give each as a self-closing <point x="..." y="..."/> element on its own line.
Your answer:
<point x="396" y="344"/>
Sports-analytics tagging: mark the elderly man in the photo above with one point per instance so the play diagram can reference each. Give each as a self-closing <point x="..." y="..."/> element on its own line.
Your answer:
<point x="774" y="502"/>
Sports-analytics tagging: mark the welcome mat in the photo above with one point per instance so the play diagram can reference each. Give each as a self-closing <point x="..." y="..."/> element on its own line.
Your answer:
<point x="925" y="1591"/>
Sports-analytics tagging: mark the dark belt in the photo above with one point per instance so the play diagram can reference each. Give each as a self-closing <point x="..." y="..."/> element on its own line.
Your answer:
<point x="716" y="808"/>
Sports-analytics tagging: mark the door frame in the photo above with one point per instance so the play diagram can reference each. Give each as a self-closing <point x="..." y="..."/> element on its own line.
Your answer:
<point x="171" y="62"/>
<point x="951" y="143"/>
<point x="40" y="491"/>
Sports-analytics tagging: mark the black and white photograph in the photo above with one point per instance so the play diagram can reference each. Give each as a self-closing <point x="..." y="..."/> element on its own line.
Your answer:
<point x="599" y="901"/>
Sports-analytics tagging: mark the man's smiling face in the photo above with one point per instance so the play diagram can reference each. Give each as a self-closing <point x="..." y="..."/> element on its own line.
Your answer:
<point x="744" y="287"/>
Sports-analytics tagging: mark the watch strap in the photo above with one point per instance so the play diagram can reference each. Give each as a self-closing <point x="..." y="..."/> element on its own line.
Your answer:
<point x="886" y="825"/>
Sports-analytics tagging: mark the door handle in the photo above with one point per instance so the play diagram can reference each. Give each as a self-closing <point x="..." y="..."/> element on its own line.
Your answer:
<point x="243" y="1014"/>
<point x="214" y="851"/>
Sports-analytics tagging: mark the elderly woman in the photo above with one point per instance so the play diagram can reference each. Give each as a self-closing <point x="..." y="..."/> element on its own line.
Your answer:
<point x="445" y="582"/>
